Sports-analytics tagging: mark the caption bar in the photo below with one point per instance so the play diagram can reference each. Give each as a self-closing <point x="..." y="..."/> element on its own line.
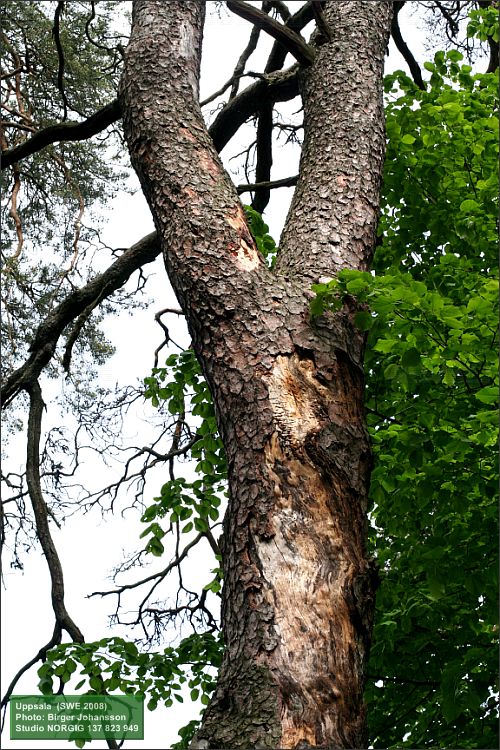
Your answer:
<point x="76" y="717"/>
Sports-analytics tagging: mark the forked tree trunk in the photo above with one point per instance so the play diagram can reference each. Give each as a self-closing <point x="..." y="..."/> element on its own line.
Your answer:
<point x="298" y="588"/>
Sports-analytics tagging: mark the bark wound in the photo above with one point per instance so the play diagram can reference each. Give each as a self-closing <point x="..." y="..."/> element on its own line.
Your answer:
<point x="246" y="254"/>
<point x="293" y="392"/>
<point x="307" y="562"/>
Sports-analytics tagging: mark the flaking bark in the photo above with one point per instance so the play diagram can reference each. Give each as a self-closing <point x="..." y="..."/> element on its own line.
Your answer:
<point x="299" y="590"/>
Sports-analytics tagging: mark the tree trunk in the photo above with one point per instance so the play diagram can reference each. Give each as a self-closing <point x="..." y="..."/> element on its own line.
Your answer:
<point x="298" y="589"/>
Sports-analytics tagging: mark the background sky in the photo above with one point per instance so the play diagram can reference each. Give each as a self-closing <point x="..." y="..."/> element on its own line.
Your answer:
<point x="89" y="546"/>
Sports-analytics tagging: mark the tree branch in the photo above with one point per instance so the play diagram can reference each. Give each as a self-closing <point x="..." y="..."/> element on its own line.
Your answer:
<point x="243" y="59"/>
<point x="277" y="56"/>
<point x="48" y="332"/>
<point x="303" y="52"/>
<point x="321" y="24"/>
<point x="60" y="55"/>
<point x="63" y="619"/>
<point x="284" y="182"/>
<point x="264" y="156"/>
<point x="64" y="131"/>
<point x="277" y="87"/>
<point x="404" y="49"/>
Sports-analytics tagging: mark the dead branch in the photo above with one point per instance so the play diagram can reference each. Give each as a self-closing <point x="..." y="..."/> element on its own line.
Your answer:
<point x="243" y="59"/>
<point x="278" y="53"/>
<point x="295" y="44"/>
<point x="276" y="87"/>
<point x="404" y="49"/>
<point x="284" y="182"/>
<point x="264" y="154"/>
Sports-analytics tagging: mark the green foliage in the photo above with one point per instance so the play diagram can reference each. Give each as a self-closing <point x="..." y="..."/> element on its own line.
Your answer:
<point x="260" y="232"/>
<point x="431" y="312"/>
<point x="194" y="505"/>
<point x="116" y="665"/>
<point x="483" y="23"/>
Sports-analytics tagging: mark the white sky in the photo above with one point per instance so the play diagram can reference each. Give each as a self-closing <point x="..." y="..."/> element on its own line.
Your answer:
<point x="88" y="546"/>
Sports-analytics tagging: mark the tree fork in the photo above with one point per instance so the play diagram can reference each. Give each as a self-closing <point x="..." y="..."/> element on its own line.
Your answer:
<point x="298" y="589"/>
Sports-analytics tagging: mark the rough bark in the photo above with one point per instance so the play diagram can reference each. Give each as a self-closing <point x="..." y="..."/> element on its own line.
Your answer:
<point x="299" y="589"/>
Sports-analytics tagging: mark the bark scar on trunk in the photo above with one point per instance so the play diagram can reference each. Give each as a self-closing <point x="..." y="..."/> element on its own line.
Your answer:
<point x="295" y="396"/>
<point x="305" y="565"/>
<point x="246" y="254"/>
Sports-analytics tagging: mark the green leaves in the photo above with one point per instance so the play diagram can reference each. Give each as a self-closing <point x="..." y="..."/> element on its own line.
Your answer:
<point x="194" y="505"/>
<point x="115" y="665"/>
<point x="260" y="233"/>
<point x="483" y="23"/>
<point x="431" y="312"/>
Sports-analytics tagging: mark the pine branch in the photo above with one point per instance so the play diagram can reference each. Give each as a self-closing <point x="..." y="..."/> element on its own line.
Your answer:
<point x="64" y="131"/>
<point x="48" y="332"/>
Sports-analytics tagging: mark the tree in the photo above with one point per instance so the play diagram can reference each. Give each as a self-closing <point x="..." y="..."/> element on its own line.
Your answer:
<point x="284" y="365"/>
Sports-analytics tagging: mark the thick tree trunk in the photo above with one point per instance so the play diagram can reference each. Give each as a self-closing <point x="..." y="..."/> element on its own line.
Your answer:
<point x="299" y="589"/>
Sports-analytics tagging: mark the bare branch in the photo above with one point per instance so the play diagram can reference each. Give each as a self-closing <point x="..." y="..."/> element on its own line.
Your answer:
<point x="277" y="56"/>
<point x="165" y="330"/>
<point x="295" y="44"/>
<point x="276" y="87"/>
<point x="264" y="151"/>
<point x="41" y="515"/>
<point x="404" y="49"/>
<point x="243" y="59"/>
<point x="157" y="577"/>
<point x="452" y="22"/>
<point x="285" y="182"/>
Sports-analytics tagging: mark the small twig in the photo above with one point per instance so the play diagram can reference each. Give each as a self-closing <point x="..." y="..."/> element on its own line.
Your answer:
<point x="243" y="59"/>
<point x="165" y="330"/>
<point x="157" y="577"/>
<point x="284" y="182"/>
<point x="451" y="21"/>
